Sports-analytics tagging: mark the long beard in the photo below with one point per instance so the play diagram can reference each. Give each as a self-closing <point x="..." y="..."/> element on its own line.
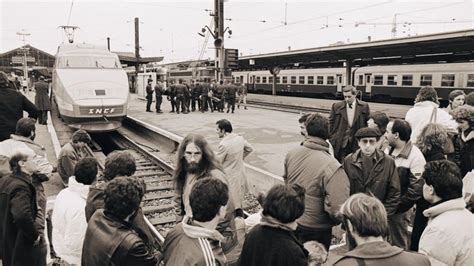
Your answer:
<point x="193" y="168"/>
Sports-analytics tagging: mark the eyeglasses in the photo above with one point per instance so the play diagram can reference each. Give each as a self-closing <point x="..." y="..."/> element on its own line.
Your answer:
<point x="368" y="141"/>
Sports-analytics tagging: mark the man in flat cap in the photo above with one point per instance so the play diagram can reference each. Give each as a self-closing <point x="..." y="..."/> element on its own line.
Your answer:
<point x="372" y="171"/>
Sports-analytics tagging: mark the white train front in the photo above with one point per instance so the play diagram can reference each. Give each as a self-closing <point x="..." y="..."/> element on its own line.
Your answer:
<point x="90" y="87"/>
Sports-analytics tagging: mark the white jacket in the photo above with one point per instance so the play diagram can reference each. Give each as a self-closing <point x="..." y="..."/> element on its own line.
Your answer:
<point x="448" y="240"/>
<point x="419" y="116"/>
<point x="69" y="221"/>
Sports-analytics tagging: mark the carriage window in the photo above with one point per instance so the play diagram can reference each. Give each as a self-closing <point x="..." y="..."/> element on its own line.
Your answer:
<point x="407" y="80"/>
<point x="293" y="80"/>
<point x="470" y="80"/>
<point x="378" y="80"/>
<point x="277" y="79"/>
<point x="447" y="80"/>
<point x="310" y="80"/>
<point x="361" y="79"/>
<point x="330" y="80"/>
<point x="251" y="79"/>
<point x="391" y="80"/>
<point x="258" y="80"/>
<point x="320" y="80"/>
<point x="284" y="79"/>
<point x="264" y="79"/>
<point x="241" y="79"/>
<point x="425" y="80"/>
<point x="270" y="79"/>
<point x="301" y="80"/>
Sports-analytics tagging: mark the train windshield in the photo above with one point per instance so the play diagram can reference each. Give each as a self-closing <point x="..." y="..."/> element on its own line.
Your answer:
<point x="88" y="62"/>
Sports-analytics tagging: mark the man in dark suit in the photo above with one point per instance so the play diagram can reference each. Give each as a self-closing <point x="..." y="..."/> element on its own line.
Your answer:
<point x="345" y="119"/>
<point x="149" y="95"/>
<point x="42" y="100"/>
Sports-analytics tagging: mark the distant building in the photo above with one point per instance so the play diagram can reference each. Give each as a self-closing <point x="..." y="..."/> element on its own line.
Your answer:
<point x="39" y="62"/>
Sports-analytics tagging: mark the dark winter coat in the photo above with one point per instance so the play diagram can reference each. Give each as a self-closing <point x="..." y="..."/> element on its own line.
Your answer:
<point x="110" y="241"/>
<point x="271" y="246"/>
<point x="383" y="180"/>
<point x="464" y="152"/>
<point x="18" y="216"/>
<point x="42" y="98"/>
<point x="95" y="202"/>
<point x="12" y="105"/>
<point x="381" y="253"/>
<point x="341" y="134"/>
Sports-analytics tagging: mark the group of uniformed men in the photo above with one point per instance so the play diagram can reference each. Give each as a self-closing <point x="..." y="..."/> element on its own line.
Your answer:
<point x="206" y="96"/>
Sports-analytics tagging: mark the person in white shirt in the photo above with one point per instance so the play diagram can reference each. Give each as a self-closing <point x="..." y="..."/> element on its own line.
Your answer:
<point x="69" y="219"/>
<point x="426" y="110"/>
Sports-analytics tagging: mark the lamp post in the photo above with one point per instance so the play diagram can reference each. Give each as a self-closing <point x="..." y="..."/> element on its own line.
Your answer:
<point x="24" y="50"/>
<point x="218" y="35"/>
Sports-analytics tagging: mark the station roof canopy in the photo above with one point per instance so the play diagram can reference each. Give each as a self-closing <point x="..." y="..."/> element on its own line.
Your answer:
<point x="130" y="59"/>
<point x="450" y="47"/>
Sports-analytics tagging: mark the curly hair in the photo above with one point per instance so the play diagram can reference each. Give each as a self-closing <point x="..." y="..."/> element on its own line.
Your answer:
<point x="470" y="99"/>
<point x="464" y="112"/>
<point x="427" y="93"/>
<point x="80" y="136"/>
<point x="445" y="177"/>
<point x="123" y="196"/>
<point x="433" y="136"/>
<point x="119" y="163"/>
<point x="207" y="196"/>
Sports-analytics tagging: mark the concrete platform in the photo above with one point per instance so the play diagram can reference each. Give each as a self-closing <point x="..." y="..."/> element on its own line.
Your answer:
<point x="271" y="133"/>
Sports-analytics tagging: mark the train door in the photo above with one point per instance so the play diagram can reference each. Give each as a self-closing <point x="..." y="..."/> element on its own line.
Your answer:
<point x="339" y="84"/>
<point x="368" y="85"/>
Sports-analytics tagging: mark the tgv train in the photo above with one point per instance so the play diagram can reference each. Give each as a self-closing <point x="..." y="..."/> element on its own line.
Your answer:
<point x="90" y="87"/>
<point x="397" y="83"/>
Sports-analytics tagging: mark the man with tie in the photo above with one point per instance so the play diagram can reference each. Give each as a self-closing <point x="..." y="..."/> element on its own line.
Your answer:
<point x="345" y="119"/>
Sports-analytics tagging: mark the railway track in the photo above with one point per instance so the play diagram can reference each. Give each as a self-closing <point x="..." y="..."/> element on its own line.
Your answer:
<point x="157" y="203"/>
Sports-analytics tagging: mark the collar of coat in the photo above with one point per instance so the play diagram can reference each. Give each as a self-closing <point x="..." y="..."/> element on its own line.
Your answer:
<point x="450" y="205"/>
<point x="316" y="143"/>
<point x="272" y="222"/>
<point x="193" y="230"/>
<point x="373" y="250"/>
<point x="405" y="152"/>
<point x="25" y="139"/>
<point x="357" y="159"/>
<point x="344" y="105"/>
<point x="24" y="177"/>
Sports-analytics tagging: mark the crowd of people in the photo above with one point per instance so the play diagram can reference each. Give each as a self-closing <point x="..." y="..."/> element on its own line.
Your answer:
<point x="375" y="176"/>
<point x="197" y="96"/>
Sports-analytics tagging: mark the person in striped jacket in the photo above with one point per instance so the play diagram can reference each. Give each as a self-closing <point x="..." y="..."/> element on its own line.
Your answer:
<point x="197" y="235"/>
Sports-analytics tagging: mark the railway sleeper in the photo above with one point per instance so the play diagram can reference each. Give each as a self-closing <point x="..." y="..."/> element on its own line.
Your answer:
<point x="160" y="187"/>
<point x="160" y="208"/>
<point x="152" y="173"/>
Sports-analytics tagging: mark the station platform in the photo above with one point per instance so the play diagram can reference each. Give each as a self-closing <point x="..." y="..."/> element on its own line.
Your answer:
<point x="271" y="133"/>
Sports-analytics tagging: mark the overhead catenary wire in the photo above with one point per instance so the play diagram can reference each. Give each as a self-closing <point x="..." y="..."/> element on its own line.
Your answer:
<point x="70" y="13"/>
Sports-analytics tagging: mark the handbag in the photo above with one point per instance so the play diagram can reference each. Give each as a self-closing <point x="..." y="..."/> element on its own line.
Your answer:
<point x="449" y="146"/>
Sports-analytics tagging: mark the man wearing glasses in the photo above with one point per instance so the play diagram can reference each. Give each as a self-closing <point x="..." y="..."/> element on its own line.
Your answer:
<point x="372" y="171"/>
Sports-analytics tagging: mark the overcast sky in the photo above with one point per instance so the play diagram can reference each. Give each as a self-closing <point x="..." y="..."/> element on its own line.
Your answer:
<point x="169" y="28"/>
